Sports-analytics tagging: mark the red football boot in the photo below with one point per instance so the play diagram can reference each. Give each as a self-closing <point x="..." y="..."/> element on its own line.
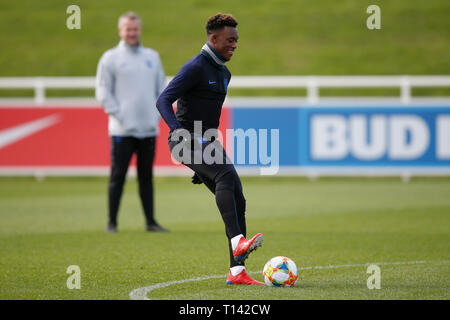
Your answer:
<point x="244" y="247"/>
<point x="242" y="278"/>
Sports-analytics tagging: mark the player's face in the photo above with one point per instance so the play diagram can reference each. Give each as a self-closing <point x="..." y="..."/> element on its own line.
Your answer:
<point x="225" y="41"/>
<point x="130" y="31"/>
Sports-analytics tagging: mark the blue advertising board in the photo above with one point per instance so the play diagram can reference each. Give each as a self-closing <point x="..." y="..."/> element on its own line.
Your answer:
<point x="384" y="136"/>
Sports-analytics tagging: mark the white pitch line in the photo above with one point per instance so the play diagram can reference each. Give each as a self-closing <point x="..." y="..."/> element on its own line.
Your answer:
<point x="141" y="293"/>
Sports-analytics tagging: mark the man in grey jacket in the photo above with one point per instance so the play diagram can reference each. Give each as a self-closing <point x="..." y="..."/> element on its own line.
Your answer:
<point x="129" y="80"/>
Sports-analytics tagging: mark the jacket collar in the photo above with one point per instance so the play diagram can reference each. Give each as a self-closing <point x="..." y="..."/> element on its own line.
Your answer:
<point x="213" y="55"/>
<point x="123" y="44"/>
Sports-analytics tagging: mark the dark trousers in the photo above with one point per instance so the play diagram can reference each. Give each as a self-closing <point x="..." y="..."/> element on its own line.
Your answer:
<point x="122" y="148"/>
<point x="223" y="181"/>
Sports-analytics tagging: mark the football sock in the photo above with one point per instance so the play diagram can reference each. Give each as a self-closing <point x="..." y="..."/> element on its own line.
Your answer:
<point x="235" y="241"/>
<point x="236" y="270"/>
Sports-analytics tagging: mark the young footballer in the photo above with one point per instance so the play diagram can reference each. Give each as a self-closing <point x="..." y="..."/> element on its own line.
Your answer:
<point x="200" y="88"/>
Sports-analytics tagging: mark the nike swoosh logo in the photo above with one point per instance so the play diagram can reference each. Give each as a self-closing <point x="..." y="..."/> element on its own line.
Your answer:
<point x="211" y="82"/>
<point x="14" y="134"/>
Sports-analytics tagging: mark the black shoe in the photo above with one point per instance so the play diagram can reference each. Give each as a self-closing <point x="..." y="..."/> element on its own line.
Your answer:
<point x="156" y="228"/>
<point x="111" y="228"/>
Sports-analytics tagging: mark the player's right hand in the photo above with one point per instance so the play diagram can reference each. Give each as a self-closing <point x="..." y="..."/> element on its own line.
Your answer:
<point x="196" y="179"/>
<point x="180" y="135"/>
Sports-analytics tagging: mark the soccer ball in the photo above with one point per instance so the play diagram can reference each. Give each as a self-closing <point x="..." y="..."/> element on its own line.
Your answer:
<point x="280" y="272"/>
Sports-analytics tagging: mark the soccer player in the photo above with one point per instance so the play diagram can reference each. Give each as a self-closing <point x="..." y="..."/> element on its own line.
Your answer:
<point x="200" y="88"/>
<point x="130" y="78"/>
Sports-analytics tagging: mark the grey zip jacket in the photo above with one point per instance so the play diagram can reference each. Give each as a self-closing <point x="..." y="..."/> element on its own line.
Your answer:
<point x="128" y="83"/>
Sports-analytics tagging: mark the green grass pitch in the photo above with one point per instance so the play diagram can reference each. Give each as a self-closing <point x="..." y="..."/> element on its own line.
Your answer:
<point x="281" y="37"/>
<point x="46" y="226"/>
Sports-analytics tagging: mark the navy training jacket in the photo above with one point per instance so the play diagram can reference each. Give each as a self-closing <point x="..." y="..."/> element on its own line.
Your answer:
<point x="200" y="87"/>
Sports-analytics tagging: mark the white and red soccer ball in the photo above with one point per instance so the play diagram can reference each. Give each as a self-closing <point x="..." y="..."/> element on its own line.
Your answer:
<point x="280" y="272"/>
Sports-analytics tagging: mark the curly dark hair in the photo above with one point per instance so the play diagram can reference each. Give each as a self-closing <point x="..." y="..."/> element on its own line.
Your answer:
<point x="220" y="21"/>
